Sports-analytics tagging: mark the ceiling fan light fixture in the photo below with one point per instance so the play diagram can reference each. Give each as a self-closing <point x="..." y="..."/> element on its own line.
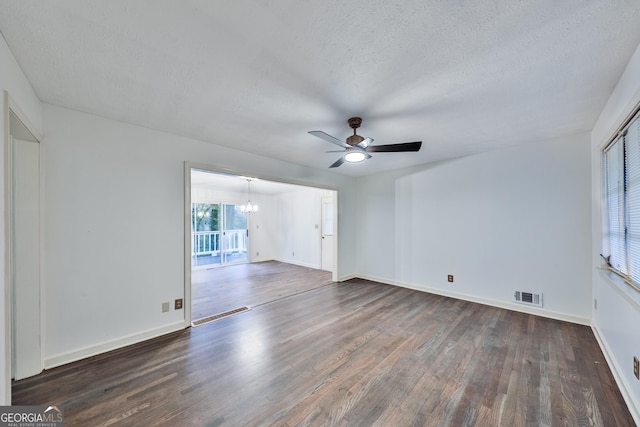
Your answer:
<point x="354" y="155"/>
<point x="357" y="148"/>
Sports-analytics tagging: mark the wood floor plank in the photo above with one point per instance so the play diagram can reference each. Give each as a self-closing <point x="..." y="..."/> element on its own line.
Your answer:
<point x="346" y="354"/>
<point x="220" y="289"/>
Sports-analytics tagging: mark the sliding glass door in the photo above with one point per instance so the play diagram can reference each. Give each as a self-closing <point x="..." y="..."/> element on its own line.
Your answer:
<point x="234" y="235"/>
<point x="218" y="234"/>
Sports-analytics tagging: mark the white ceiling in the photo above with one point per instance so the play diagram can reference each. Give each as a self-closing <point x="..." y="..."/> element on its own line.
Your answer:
<point x="463" y="76"/>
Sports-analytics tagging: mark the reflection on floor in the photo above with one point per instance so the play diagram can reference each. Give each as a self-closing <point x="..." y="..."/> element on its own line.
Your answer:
<point x="357" y="353"/>
<point x="221" y="289"/>
<point x="213" y="260"/>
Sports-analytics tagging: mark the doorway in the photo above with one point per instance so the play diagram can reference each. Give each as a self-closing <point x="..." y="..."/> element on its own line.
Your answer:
<point x="24" y="238"/>
<point x="287" y="228"/>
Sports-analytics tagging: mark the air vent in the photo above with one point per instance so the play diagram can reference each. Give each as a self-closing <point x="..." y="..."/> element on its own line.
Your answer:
<point x="218" y="316"/>
<point x="528" y="298"/>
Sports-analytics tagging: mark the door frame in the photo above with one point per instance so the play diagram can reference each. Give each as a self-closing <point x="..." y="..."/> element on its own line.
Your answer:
<point x="11" y="107"/>
<point x="188" y="166"/>
<point x="223" y="236"/>
<point x="334" y="213"/>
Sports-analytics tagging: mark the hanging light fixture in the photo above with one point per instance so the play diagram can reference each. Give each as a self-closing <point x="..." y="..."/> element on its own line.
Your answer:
<point x="248" y="208"/>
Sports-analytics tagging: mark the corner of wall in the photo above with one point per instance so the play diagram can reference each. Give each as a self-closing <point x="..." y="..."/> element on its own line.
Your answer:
<point x="614" y="320"/>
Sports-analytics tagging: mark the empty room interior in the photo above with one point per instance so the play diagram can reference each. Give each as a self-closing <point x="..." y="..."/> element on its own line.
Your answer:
<point x="321" y="213"/>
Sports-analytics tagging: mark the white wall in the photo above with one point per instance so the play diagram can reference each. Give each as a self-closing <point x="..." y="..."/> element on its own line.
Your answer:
<point x="262" y="229"/>
<point x="15" y="83"/>
<point x="617" y="317"/>
<point x="298" y="227"/>
<point x="114" y="226"/>
<point x="500" y="221"/>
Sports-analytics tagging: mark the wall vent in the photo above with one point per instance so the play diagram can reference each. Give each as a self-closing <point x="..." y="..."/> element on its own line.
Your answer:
<point x="529" y="298"/>
<point x="208" y="319"/>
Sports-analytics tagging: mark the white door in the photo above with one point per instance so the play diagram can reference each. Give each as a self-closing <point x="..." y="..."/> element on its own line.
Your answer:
<point x="25" y="283"/>
<point x="328" y="232"/>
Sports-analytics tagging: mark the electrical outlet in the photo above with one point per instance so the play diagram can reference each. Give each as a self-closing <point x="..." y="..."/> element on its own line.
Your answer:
<point x="178" y="304"/>
<point x="450" y="278"/>
<point x="595" y="304"/>
<point x="257" y="253"/>
<point x="165" y="307"/>
<point x="636" y="367"/>
<point x="293" y="254"/>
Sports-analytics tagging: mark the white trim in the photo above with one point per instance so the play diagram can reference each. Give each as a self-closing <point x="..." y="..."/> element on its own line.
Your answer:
<point x="41" y="215"/>
<point x="214" y="169"/>
<point x="612" y="133"/>
<point x="617" y="283"/>
<point x="8" y="324"/>
<point x="188" y="166"/>
<point x="493" y="303"/>
<point x="301" y="264"/>
<point x="10" y="106"/>
<point x="93" y="350"/>
<point x="262" y="259"/>
<point x="619" y="379"/>
<point x="624" y="124"/>
<point x="348" y="277"/>
<point x="13" y="106"/>
<point x="187" y="243"/>
<point x="336" y="234"/>
<point x="215" y="266"/>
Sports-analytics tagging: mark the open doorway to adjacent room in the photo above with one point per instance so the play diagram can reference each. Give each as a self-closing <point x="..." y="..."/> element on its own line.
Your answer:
<point x="24" y="228"/>
<point x="249" y="241"/>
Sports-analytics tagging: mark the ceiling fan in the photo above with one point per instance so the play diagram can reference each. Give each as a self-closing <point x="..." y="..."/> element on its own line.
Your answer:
<point x="357" y="148"/>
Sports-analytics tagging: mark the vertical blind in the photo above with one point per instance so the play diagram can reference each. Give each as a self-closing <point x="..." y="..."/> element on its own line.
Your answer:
<point x="622" y="176"/>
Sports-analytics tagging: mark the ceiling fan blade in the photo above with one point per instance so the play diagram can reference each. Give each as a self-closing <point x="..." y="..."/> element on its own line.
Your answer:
<point x="327" y="137"/>
<point x="365" y="142"/>
<point x="335" y="151"/>
<point x="394" y="148"/>
<point x="337" y="162"/>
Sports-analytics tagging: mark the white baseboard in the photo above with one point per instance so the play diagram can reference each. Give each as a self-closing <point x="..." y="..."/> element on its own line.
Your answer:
<point x="493" y="303"/>
<point x="262" y="259"/>
<point x="615" y="370"/>
<point x="301" y="264"/>
<point x="93" y="350"/>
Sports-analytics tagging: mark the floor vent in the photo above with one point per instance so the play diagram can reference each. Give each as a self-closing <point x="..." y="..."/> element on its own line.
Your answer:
<point x="529" y="298"/>
<point x="218" y="316"/>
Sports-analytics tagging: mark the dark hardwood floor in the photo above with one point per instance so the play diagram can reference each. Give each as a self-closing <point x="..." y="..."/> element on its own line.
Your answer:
<point x="356" y="353"/>
<point x="221" y="289"/>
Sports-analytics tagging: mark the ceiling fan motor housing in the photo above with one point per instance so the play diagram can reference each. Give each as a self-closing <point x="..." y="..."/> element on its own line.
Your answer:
<point x="354" y="140"/>
<point x="354" y="123"/>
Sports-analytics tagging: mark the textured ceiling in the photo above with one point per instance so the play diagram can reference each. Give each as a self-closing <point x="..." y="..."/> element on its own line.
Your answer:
<point x="463" y="76"/>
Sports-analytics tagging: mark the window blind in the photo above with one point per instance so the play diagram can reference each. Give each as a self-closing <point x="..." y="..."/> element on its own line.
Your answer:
<point x="614" y="164"/>
<point x="632" y="163"/>
<point x="622" y="188"/>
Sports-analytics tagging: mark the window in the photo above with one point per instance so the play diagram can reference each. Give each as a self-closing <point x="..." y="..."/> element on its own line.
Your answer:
<point x="622" y="193"/>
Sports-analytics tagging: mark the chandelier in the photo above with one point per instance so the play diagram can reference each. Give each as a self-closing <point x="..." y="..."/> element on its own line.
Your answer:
<point x="248" y="207"/>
